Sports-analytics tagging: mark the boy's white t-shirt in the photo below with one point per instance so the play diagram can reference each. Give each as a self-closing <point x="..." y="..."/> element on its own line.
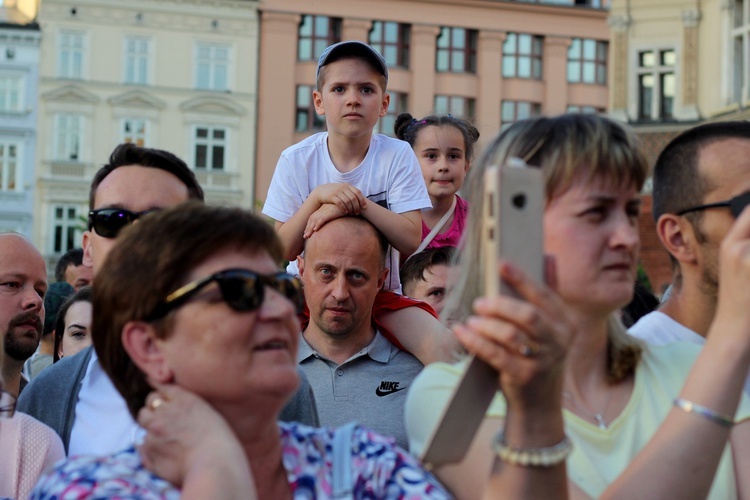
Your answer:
<point x="389" y="176"/>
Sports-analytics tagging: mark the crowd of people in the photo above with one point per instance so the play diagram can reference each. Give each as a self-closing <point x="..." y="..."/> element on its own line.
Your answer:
<point x="174" y="356"/>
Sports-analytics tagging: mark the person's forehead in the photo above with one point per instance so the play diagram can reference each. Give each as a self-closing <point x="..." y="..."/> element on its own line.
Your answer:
<point x="139" y="188"/>
<point x="19" y="257"/>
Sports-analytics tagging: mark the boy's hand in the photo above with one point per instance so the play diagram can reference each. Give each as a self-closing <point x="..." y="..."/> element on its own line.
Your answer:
<point x="324" y="214"/>
<point x="346" y="197"/>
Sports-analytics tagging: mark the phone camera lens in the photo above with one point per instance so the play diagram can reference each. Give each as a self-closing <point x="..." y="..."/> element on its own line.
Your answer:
<point x="519" y="201"/>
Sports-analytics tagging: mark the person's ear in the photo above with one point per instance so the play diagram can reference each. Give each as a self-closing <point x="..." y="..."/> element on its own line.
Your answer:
<point x="142" y="345"/>
<point x="678" y="237"/>
<point x="318" y="102"/>
<point x="382" y="278"/>
<point x="88" y="258"/>
<point x="301" y="265"/>
<point x="385" y="104"/>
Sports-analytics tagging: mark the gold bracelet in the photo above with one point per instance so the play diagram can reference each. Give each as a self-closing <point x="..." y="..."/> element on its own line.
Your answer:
<point x="707" y="413"/>
<point x="532" y="457"/>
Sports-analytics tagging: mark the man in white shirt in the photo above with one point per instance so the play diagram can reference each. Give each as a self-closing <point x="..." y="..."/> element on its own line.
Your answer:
<point x="701" y="183"/>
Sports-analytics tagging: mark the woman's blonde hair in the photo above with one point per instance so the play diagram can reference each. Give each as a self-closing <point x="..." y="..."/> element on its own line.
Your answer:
<point x="567" y="148"/>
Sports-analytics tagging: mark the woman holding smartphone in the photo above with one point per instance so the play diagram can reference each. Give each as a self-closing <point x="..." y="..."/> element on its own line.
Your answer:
<point x="644" y="421"/>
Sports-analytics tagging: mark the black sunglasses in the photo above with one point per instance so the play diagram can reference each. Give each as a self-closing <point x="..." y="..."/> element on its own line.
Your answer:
<point x="108" y="222"/>
<point x="736" y="205"/>
<point x="241" y="289"/>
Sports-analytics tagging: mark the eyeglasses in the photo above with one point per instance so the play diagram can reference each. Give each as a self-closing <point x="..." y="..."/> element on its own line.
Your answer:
<point x="241" y="289"/>
<point x="736" y="205"/>
<point x="7" y="404"/>
<point x="108" y="222"/>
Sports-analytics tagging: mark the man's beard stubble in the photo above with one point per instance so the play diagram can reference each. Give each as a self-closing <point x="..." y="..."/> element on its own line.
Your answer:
<point x="16" y="343"/>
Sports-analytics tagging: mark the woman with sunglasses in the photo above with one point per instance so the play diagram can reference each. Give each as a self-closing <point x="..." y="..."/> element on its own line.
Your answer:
<point x="196" y="326"/>
<point x="642" y="423"/>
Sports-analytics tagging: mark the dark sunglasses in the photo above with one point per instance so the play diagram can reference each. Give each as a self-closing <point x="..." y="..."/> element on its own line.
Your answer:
<point x="241" y="289"/>
<point x="108" y="222"/>
<point x="736" y="205"/>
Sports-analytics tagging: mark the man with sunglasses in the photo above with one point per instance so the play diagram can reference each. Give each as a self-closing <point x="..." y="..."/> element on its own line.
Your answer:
<point x="74" y="396"/>
<point x="701" y="184"/>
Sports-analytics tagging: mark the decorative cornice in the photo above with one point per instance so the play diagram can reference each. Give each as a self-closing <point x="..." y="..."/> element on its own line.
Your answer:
<point x="213" y="105"/>
<point x="137" y="99"/>
<point x="71" y="93"/>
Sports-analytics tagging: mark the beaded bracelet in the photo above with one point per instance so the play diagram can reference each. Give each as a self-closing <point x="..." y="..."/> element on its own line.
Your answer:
<point x="532" y="457"/>
<point x="707" y="413"/>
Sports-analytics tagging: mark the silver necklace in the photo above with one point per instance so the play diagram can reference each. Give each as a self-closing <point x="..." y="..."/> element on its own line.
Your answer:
<point x="596" y="417"/>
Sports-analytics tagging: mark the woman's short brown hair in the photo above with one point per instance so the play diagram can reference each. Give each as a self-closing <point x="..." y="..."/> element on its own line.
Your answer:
<point x="151" y="259"/>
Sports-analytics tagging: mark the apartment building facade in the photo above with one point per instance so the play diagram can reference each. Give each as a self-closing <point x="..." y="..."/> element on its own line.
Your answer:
<point x="491" y="61"/>
<point x="178" y="75"/>
<point x="19" y="68"/>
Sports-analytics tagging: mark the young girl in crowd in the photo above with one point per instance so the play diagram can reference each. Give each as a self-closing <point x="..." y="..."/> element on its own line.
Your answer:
<point x="444" y="146"/>
<point x="73" y="327"/>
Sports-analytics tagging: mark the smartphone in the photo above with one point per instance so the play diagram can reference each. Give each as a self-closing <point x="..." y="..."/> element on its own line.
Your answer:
<point x="512" y="230"/>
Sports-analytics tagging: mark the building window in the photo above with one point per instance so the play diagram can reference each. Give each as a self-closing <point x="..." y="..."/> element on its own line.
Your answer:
<point x="574" y="108"/>
<point x="656" y="84"/>
<point x="67" y="137"/>
<point x="740" y="50"/>
<point x="456" y="50"/>
<point x="212" y="66"/>
<point x="134" y="131"/>
<point x="70" y="55"/>
<point x="587" y="61"/>
<point x="136" y="60"/>
<point x="210" y="147"/>
<point x="315" y="34"/>
<point x="66" y="228"/>
<point x="392" y="41"/>
<point x="306" y="117"/>
<point x="455" y="105"/>
<point x="399" y="104"/>
<point x="11" y="93"/>
<point x="522" y="56"/>
<point x="9" y="171"/>
<point x="513" y="111"/>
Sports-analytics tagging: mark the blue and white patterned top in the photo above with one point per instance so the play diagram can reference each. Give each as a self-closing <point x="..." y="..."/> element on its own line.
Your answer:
<point x="380" y="469"/>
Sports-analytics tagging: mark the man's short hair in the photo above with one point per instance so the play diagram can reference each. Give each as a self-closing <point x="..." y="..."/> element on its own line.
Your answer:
<point x="151" y="260"/>
<point x="416" y="265"/>
<point x="677" y="183"/>
<point x="73" y="257"/>
<point x="129" y="154"/>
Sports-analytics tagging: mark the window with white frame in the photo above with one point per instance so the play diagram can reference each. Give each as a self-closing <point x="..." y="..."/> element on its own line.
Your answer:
<point x="399" y="104"/>
<point x="11" y="92"/>
<point x="462" y="107"/>
<point x="740" y="48"/>
<point x="656" y="84"/>
<point x="137" y="53"/>
<point x="210" y="147"/>
<point x="9" y="168"/>
<point x="212" y="66"/>
<point x="513" y="111"/>
<point x="67" y="227"/>
<point x="587" y="61"/>
<point x="70" y="53"/>
<point x="522" y="56"/>
<point x="134" y="131"/>
<point x="67" y="144"/>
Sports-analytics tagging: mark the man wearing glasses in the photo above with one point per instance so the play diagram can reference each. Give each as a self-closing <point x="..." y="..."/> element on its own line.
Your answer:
<point x="701" y="184"/>
<point x="74" y="396"/>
